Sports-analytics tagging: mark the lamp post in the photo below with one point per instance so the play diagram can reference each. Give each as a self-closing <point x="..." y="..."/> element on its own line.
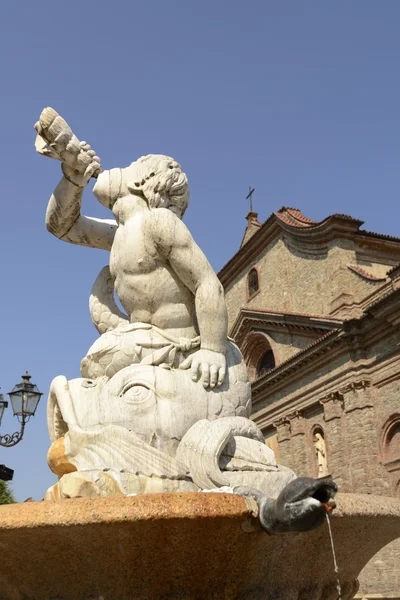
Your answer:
<point x="24" y="399"/>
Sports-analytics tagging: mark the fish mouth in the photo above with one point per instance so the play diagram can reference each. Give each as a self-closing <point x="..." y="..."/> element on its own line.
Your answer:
<point x="324" y="494"/>
<point x="328" y="506"/>
<point x="323" y="490"/>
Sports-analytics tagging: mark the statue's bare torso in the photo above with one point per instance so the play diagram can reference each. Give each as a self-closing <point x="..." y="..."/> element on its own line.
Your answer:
<point x="146" y="284"/>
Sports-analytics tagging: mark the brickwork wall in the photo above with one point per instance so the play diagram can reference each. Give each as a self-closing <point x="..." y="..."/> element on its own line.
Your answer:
<point x="285" y="343"/>
<point x="351" y="393"/>
<point x="349" y="422"/>
<point x="322" y="277"/>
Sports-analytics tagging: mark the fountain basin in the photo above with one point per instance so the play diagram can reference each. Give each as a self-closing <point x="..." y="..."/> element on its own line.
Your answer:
<point x="183" y="545"/>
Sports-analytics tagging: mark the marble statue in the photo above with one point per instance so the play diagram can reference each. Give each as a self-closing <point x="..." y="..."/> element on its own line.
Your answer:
<point x="320" y="453"/>
<point x="164" y="401"/>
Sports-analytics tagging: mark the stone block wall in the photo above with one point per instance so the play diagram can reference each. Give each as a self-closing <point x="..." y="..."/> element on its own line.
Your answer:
<point x="292" y="280"/>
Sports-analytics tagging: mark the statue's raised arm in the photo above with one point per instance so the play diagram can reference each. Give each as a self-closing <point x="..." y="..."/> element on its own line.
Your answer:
<point x="55" y="139"/>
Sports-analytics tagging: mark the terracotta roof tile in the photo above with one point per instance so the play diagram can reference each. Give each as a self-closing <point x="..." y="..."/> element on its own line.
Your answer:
<point x="381" y="236"/>
<point x="297" y="214"/>
<point x="294" y="217"/>
<point x="364" y="273"/>
<point x="346" y="217"/>
<point x="393" y="270"/>
<point x="293" y="314"/>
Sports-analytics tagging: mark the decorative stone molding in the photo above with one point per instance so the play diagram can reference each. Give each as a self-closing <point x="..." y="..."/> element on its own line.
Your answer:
<point x="357" y="395"/>
<point x="282" y="427"/>
<point x="297" y="423"/>
<point x="333" y="405"/>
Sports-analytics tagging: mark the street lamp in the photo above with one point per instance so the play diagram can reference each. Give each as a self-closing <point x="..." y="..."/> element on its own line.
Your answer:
<point x="24" y="398"/>
<point x="3" y="405"/>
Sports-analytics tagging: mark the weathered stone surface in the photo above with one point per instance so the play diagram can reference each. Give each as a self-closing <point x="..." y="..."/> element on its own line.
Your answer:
<point x="162" y="366"/>
<point x="189" y="546"/>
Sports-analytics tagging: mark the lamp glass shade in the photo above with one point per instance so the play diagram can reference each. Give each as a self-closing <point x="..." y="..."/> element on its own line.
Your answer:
<point x="24" y="398"/>
<point x="3" y="405"/>
<point x="30" y="401"/>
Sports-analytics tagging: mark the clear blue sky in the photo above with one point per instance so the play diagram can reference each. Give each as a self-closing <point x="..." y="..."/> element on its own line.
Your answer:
<point x="299" y="99"/>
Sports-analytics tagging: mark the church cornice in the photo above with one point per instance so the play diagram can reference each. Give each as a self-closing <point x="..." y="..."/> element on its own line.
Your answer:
<point x="248" y="319"/>
<point x="376" y="321"/>
<point x="320" y="346"/>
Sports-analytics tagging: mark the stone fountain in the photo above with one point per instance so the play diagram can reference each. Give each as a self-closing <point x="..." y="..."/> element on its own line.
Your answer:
<point x="166" y="488"/>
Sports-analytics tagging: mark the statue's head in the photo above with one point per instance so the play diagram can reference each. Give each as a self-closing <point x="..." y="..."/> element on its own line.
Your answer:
<point x="156" y="178"/>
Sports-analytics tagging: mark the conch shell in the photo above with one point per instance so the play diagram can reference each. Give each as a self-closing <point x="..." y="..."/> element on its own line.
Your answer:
<point x="56" y="139"/>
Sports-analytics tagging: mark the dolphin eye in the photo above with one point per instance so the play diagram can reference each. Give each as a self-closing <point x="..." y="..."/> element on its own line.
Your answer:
<point x="134" y="393"/>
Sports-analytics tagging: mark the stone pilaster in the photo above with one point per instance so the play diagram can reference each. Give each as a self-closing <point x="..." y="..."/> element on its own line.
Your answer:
<point x="361" y="435"/>
<point x="299" y="447"/>
<point x="334" y="438"/>
<point x="333" y="406"/>
<point x="282" y="427"/>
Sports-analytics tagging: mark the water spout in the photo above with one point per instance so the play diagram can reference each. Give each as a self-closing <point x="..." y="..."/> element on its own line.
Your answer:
<point x="338" y="586"/>
<point x="300" y="506"/>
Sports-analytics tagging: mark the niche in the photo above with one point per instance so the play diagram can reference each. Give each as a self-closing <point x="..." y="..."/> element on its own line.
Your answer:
<point x="320" y="454"/>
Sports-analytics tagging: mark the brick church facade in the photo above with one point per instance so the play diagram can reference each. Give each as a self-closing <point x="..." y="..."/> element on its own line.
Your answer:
<point x="315" y="310"/>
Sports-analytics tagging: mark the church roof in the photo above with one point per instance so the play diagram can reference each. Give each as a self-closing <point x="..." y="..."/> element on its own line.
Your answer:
<point x="299" y="227"/>
<point x="294" y="217"/>
<point x="394" y="270"/>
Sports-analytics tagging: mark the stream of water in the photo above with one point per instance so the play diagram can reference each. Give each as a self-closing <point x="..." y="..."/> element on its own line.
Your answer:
<point x="338" y="586"/>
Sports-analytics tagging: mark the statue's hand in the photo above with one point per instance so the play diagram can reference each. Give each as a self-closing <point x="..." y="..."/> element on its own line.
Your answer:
<point x="207" y="365"/>
<point x="93" y="169"/>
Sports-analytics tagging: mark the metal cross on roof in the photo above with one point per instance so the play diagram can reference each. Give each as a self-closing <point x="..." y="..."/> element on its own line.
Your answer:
<point x="250" y="197"/>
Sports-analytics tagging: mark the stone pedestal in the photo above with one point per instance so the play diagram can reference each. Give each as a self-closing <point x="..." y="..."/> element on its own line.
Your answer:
<point x="186" y="546"/>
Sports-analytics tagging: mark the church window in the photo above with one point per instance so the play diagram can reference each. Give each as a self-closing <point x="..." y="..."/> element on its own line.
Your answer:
<point x="390" y="450"/>
<point x="253" y="282"/>
<point x="258" y="354"/>
<point x="390" y="445"/>
<point x="266" y="363"/>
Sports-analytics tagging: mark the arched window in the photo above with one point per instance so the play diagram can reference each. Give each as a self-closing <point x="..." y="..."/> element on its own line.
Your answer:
<point x="258" y="354"/>
<point x="390" y="450"/>
<point x="390" y="441"/>
<point x="253" y="282"/>
<point x="266" y="363"/>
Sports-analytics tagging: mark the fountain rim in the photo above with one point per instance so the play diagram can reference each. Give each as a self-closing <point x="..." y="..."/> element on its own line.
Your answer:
<point x="170" y="505"/>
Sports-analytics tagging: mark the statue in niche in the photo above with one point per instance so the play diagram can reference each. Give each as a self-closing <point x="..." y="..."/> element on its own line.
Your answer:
<point x="320" y="453"/>
<point x="164" y="401"/>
